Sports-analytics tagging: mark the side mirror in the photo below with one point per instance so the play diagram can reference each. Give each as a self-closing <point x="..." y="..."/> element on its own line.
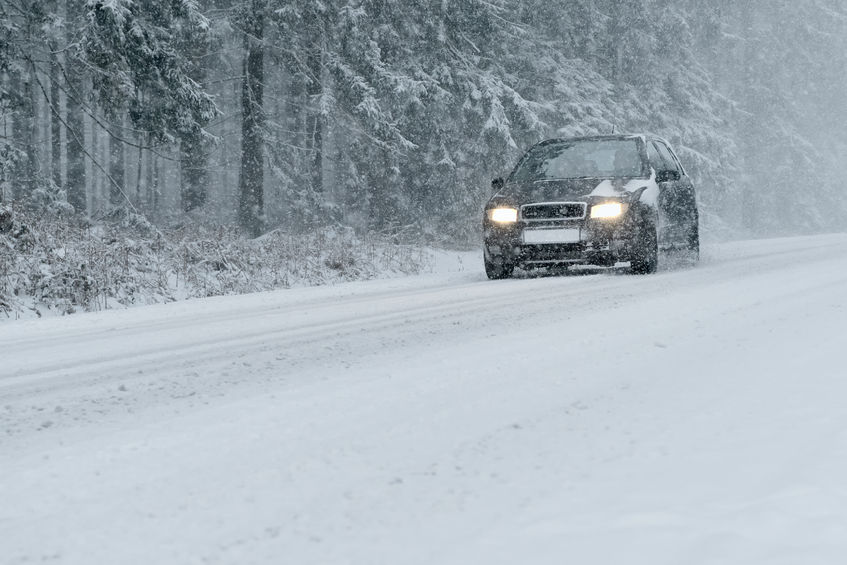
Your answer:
<point x="667" y="176"/>
<point x="498" y="184"/>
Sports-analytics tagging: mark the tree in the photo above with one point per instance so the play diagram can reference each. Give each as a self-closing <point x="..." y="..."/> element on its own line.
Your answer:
<point x="251" y="182"/>
<point x="17" y="97"/>
<point x="140" y="69"/>
<point x="75" y="81"/>
<point x="193" y="44"/>
<point x="392" y="116"/>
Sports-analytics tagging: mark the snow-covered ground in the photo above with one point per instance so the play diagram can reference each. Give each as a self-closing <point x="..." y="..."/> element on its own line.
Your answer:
<point x="694" y="416"/>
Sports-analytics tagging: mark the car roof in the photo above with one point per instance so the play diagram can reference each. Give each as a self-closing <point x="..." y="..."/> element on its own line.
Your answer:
<point x="608" y="137"/>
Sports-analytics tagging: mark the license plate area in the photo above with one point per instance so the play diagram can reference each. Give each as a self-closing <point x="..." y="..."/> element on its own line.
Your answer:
<point x="552" y="236"/>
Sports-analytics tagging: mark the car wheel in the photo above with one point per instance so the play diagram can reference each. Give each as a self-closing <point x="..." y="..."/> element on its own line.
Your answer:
<point x="645" y="259"/>
<point x="498" y="270"/>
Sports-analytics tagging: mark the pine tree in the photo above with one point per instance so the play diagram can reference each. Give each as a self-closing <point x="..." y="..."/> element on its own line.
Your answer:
<point x="251" y="182"/>
<point x="141" y="70"/>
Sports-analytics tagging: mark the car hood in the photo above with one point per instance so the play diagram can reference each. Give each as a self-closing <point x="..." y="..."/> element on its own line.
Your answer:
<point x="569" y="190"/>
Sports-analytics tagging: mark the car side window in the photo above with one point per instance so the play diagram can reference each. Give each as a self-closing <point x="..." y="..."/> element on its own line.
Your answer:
<point x="676" y="160"/>
<point x="667" y="157"/>
<point x="654" y="157"/>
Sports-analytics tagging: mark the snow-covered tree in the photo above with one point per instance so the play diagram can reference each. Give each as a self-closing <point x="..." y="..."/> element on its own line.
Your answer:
<point x="393" y="116"/>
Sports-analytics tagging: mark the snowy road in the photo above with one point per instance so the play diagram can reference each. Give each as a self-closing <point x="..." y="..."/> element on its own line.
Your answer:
<point x="694" y="416"/>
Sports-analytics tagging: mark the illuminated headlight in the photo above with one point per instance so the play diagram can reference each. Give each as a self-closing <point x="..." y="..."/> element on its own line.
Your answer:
<point x="503" y="215"/>
<point x="608" y="210"/>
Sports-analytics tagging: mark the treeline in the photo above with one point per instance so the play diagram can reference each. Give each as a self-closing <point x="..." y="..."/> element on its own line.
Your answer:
<point x="392" y="116"/>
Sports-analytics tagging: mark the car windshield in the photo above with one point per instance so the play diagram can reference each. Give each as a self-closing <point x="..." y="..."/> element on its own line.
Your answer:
<point x="581" y="159"/>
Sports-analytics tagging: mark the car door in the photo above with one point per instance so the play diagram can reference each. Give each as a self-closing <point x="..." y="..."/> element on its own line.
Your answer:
<point x="674" y="198"/>
<point x="664" y="219"/>
<point x="684" y="201"/>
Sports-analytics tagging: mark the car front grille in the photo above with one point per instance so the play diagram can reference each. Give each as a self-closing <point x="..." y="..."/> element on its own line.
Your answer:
<point x="553" y="211"/>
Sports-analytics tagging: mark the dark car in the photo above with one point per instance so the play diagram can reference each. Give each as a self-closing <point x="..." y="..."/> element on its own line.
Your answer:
<point x="598" y="200"/>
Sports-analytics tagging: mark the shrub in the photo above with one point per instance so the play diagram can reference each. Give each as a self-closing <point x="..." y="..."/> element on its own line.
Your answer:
<point x="61" y="267"/>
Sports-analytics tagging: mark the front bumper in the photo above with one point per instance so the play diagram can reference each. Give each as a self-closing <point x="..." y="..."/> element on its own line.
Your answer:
<point x="601" y="244"/>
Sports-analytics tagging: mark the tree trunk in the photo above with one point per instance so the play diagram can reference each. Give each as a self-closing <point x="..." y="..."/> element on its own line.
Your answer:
<point x="315" y="120"/>
<point x="193" y="171"/>
<point x="156" y="192"/>
<point x="251" y="184"/>
<point x="749" y="217"/>
<point x="95" y="188"/>
<point x="23" y="135"/>
<point x="193" y="147"/>
<point x="139" y="172"/>
<point x="55" y="122"/>
<point x="75" y="149"/>
<point x="149" y="182"/>
<point x="117" y="158"/>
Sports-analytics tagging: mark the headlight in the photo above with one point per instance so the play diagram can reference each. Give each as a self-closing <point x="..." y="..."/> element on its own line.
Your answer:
<point x="608" y="210"/>
<point x="503" y="215"/>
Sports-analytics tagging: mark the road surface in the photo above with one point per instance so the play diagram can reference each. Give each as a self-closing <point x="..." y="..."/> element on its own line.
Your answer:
<point x="692" y="416"/>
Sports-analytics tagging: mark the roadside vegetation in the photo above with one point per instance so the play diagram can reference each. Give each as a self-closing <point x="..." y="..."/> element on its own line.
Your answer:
<point x="55" y="265"/>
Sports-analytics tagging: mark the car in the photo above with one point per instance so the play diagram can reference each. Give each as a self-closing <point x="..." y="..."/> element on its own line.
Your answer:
<point x="599" y="200"/>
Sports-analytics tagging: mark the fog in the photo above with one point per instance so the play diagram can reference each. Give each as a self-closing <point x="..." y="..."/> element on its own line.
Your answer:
<point x="392" y="117"/>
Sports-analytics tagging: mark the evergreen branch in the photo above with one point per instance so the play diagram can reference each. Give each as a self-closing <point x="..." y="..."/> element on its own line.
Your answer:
<point x="108" y="126"/>
<point x="81" y="142"/>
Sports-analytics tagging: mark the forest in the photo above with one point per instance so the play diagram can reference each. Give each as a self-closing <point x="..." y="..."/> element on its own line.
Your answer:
<point x="390" y="117"/>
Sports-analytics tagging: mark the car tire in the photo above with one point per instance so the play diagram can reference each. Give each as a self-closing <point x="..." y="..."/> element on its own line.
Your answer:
<point x="645" y="259"/>
<point x="498" y="271"/>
